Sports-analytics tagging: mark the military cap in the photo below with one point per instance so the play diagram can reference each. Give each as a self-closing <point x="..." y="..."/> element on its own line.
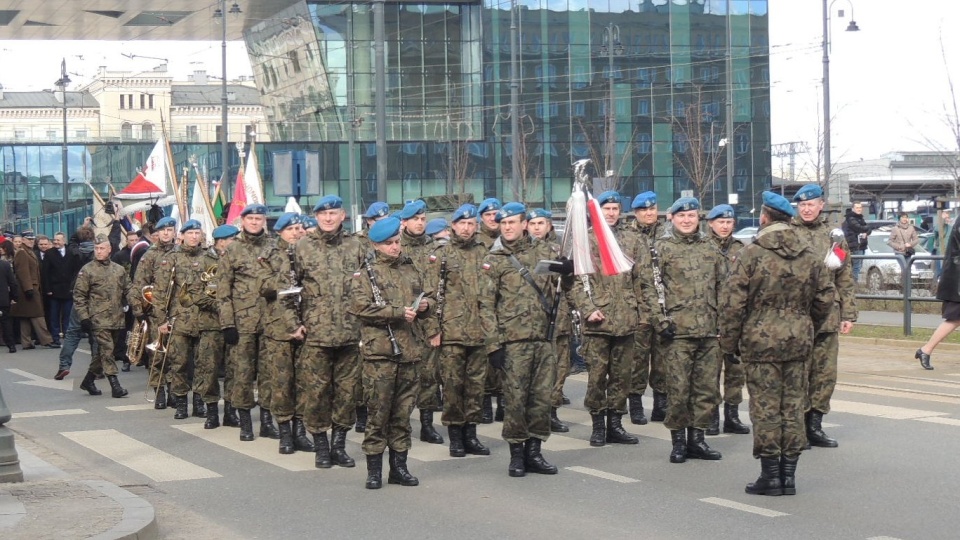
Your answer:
<point x="808" y="193"/>
<point x="28" y="234"/>
<point x="512" y="209"/>
<point x="254" y="209"/>
<point x="721" y="211"/>
<point x="191" y="225"/>
<point x="101" y="238"/>
<point x="465" y="211"/>
<point x="644" y="200"/>
<point x="608" y="197"/>
<point x="308" y="222"/>
<point x="436" y="225"/>
<point x="329" y="202"/>
<point x="286" y="220"/>
<point x="225" y="231"/>
<point x="413" y="208"/>
<point x="535" y="213"/>
<point x="778" y="203"/>
<point x="376" y="210"/>
<point x="384" y="230"/>
<point x="163" y="223"/>
<point x="489" y="205"/>
<point x="684" y="204"/>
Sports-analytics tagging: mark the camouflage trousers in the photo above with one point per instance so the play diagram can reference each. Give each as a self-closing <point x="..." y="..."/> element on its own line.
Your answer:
<point x="242" y="361"/>
<point x="529" y="374"/>
<point x="157" y="369"/>
<point x="693" y="365"/>
<point x="390" y="389"/>
<point x="428" y="398"/>
<point x="822" y="371"/>
<point x="609" y="359"/>
<point x="103" y="361"/>
<point x="462" y="370"/>
<point x="181" y="350"/>
<point x="278" y="371"/>
<point x="647" y="363"/>
<point x="562" y="351"/>
<point x="327" y="382"/>
<point x="733" y="381"/>
<point x="208" y="359"/>
<point x="493" y="381"/>
<point x="777" y="395"/>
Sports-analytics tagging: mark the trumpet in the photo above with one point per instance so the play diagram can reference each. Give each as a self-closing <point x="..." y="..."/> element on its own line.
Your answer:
<point x="146" y="298"/>
<point x="209" y="277"/>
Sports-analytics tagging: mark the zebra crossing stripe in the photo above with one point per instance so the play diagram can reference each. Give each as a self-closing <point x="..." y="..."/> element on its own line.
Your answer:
<point x="603" y="474"/>
<point x="261" y="448"/>
<point x="766" y="512"/>
<point x="140" y="457"/>
<point x="43" y="414"/>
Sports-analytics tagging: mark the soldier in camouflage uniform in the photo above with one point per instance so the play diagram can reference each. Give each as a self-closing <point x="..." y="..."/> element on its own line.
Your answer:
<point x="691" y="270"/>
<point x="721" y="221"/>
<point x="778" y="291"/>
<point x="239" y="274"/>
<point x="328" y="387"/>
<point x="455" y="267"/>
<point x="155" y="269"/>
<point x="488" y="234"/>
<point x="390" y="349"/>
<point x="99" y="298"/>
<point x="515" y="317"/>
<point x="609" y="308"/>
<point x="823" y="361"/>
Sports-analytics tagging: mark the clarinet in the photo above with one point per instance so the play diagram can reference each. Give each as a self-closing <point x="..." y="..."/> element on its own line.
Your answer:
<point x="658" y="282"/>
<point x="378" y="300"/>
<point x="294" y="282"/>
<point x="441" y="289"/>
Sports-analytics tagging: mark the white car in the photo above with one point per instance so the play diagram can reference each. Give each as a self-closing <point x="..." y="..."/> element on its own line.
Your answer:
<point x="880" y="274"/>
<point x="746" y="234"/>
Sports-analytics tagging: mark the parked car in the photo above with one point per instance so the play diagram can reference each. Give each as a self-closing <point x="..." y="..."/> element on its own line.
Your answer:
<point x="746" y="234"/>
<point x="880" y="274"/>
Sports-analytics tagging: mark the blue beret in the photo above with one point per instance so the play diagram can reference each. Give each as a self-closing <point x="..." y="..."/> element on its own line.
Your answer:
<point x="256" y="209"/>
<point x="512" y="209"/>
<point x="646" y="199"/>
<point x="413" y="208"/>
<point x="721" y="211"/>
<point x="436" y="225"/>
<point x="225" y="231"/>
<point x="329" y="202"/>
<point x="384" y="230"/>
<point x="286" y="220"/>
<point x="808" y="192"/>
<point x="535" y="213"/>
<point x="608" y="197"/>
<point x="378" y="209"/>
<point x="308" y="222"/>
<point x="489" y="205"/>
<point x="191" y="225"/>
<point x="466" y="211"/>
<point x="684" y="204"/>
<point x="166" y="222"/>
<point x="778" y="202"/>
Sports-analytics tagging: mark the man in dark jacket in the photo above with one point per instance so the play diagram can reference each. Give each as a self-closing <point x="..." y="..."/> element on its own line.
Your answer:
<point x="855" y="231"/>
<point x="59" y="270"/>
<point x="9" y="292"/>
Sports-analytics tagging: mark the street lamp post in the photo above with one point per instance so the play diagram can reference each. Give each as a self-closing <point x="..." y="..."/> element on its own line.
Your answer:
<point x="220" y="13"/>
<point x="611" y="42"/>
<point x="852" y="27"/>
<point x="62" y="83"/>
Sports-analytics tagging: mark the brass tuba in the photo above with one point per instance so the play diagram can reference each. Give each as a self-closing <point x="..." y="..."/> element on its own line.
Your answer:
<point x="136" y="342"/>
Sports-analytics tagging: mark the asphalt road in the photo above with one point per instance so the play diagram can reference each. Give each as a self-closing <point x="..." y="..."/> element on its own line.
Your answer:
<point x="894" y="475"/>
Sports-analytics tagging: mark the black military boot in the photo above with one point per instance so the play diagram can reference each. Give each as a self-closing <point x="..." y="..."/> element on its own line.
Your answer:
<point x="599" y="435"/>
<point x="398" y="470"/>
<point x="427" y="432"/>
<point x="788" y="473"/>
<point x="116" y="390"/>
<point x="267" y="428"/>
<point x="731" y="420"/>
<point x="769" y="481"/>
<point x="556" y="426"/>
<point x="659" y="407"/>
<point x="338" y="453"/>
<point x="471" y="443"/>
<point x="697" y="448"/>
<point x="286" y="438"/>
<point x="679" y="452"/>
<point x="246" y="424"/>
<point x="456" y="441"/>
<point x="213" y="417"/>
<point x="181" y="413"/>
<point x="615" y="432"/>
<point x="533" y="459"/>
<point x="714" y="428"/>
<point x="199" y="407"/>
<point x="499" y="414"/>
<point x="636" y="410"/>
<point x="230" y="418"/>
<point x="300" y="440"/>
<point x="160" y="401"/>
<point x="487" y="409"/>
<point x="361" y="425"/>
<point x="815" y="433"/>
<point x="374" y="471"/>
<point x="517" y="468"/>
<point x="89" y="385"/>
<point x="171" y="401"/>
<point x="322" y="459"/>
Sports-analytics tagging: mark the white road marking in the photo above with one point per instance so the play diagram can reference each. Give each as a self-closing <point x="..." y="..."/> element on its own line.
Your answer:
<point x="603" y="474"/>
<point x="137" y="407"/>
<point x="43" y="382"/>
<point x="261" y="448"/>
<point x="880" y="411"/>
<point x="940" y="420"/>
<point x="905" y="394"/>
<point x="155" y="464"/>
<point x="743" y="507"/>
<point x="41" y="414"/>
<point x="883" y="538"/>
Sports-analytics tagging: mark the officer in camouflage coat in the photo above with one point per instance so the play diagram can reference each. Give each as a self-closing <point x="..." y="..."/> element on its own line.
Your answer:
<point x="488" y="234"/>
<point x="778" y="291"/>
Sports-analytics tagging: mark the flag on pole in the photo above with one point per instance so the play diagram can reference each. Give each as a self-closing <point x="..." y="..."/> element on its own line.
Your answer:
<point x="251" y="179"/>
<point x="293" y="206"/>
<point x="218" y="203"/>
<point x="200" y="212"/>
<point x="151" y="181"/>
<point x="239" y="200"/>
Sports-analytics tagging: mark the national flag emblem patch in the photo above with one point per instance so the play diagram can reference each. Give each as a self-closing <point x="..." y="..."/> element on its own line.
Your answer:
<point x="433" y="258"/>
<point x="486" y="266"/>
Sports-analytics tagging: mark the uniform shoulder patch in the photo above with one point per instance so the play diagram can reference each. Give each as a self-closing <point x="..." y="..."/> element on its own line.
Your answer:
<point x="485" y="266"/>
<point x="433" y="258"/>
<point x="356" y="274"/>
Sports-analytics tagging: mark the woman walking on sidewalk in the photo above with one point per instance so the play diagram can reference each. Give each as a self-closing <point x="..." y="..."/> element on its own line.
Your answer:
<point x="948" y="290"/>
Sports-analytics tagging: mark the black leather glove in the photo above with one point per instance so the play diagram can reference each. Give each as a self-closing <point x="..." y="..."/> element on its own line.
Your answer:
<point x="668" y="332"/>
<point x="498" y="359"/>
<point x="732" y="358"/>
<point x="29" y="293"/>
<point x="86" y="325"/>
<point x="231" y="336"/>
<point x="270" y="295"/>
<point x="563" y="266"/>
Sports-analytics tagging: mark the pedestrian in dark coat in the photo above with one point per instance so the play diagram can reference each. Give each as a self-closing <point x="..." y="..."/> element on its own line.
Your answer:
<point x="30" y="309"/>
<point x="9" y="293"/>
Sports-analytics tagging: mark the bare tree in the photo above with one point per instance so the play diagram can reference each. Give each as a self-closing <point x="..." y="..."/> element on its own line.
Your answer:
<point x="530" y="151"/>
<point x="459" y="168"/>
<point x="947" y="153"/>
<point x="697" y="151"/>
<point x="598" y="147"/>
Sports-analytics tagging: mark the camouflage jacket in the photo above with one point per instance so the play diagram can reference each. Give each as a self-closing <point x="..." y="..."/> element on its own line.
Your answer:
<point x="325" y="264"/>
<point x="777" y="292"/>
<point x="510" y="308"/>
<point x="100" y="294"/>
<point x="239" y="274"/>
<point x="614" y="296"/>
<point x="281" y="315"/>
<point x="638" y="248"/>
<point x="189" y="264"/>
<point x="197" y="298"/>
<point x="417" y="248"/>
<point x="400" y="283"/>
<point x="649" y="232"/>
<point x="460" y="322"/>
<point x="691" y="269"/>
<point x="845" y="306"/>
<point x="565" y="309"/>
<point x="155" y="268"/>
<point x="487" y="236"/>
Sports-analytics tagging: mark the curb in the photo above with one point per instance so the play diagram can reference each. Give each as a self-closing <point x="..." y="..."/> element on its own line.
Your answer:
<point x="139" y="520"/>
<point x="899" y="343"/>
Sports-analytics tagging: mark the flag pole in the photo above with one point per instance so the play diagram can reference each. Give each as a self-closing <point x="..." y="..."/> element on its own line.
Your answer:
<point x="171" y="169"/>
<point x="201" y="183"/>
